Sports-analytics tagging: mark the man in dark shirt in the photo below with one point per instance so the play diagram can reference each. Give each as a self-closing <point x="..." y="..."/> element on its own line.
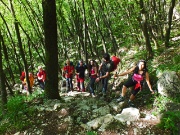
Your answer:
<point x="105" y="69"/>
<point x="80" y="74"/>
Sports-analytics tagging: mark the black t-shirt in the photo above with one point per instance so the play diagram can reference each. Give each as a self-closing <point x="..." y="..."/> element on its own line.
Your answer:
<point x="107" y="67"/>
<point x="81" y="70"/>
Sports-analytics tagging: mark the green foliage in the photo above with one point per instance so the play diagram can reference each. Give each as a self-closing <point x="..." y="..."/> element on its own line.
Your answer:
<point x="91" y="133"/>
<point x="116" y="125"/>
<point x="17" y="114"/>
<point x="168" y="59"/>
<point x="170" y="66"/>
<point x="140" y="54"/>
<point x="160" y="103"/>
<point x="170" y="121"/>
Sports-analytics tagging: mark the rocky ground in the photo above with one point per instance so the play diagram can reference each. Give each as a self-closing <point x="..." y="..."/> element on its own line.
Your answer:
<point x="78" y="113"/>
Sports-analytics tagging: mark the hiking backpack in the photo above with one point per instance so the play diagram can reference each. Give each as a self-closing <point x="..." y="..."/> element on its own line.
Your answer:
<point x="115" y="60"/>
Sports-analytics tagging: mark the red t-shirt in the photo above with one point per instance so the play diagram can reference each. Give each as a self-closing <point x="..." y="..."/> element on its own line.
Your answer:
<point x="68" y="70"/>
<point x="22" y="76"/>
<point x="42" y="74"/>
<point x="92" y="72"/>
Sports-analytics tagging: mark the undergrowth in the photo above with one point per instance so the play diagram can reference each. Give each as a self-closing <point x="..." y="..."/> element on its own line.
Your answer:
<point x="18" y="114"/>
<point x="170" y="120"/>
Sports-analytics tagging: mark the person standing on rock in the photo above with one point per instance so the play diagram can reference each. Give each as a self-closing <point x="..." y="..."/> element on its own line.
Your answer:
<point x="140" y="73"/>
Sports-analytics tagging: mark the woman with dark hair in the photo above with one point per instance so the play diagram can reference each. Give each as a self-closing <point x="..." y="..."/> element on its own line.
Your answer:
<point x="93" y="75"/>
<point x="140" y="73"/>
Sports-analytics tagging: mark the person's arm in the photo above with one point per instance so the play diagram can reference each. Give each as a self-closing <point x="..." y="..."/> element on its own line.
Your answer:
<point x="24" y="82"/>
<point x="105" y="76"/>
<point x="148" y="82"/>
<point x="39" y="77"/>
<point x="76" y="71"/>
<point x="100" y="66"/>
<point x="126" y="72"/>
<point x="102" y="77"/>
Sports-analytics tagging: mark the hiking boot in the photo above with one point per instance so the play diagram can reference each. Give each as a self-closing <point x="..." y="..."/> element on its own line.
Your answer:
<point x="130" y="104"/>
<point x="120" y="99"/>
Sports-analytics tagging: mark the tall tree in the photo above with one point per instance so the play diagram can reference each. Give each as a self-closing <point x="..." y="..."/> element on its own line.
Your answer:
<point x="145" y="30"/>
<point x="2" y="79"/>
<point x="51" y="49"/>
<point x="20" y="44"/>
<point x="168" y="29"/>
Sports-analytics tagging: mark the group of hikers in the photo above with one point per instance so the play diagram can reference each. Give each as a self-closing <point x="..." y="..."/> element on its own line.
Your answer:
<point x="40" y="77"/>
<point x="101" y="73"/>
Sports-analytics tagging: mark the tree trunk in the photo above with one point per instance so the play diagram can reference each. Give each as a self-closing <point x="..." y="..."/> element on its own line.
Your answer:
<point x="168" y="29"/>
<point x="145" y="31"/>
<point x="51" y="49"/>
<point x="20" y="45"/>
<point x="13" y="44"/>
<point x="2" y="80"/>
<point x="7" y="60"/>
<point x="85" y="32"/>
<point x="98" y="26"/>
<point x="9" y="87"/>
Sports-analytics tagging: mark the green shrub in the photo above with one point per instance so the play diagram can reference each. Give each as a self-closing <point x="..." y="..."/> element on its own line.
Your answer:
<point x="17" y="115"/>
<point x="170" y="121"/>
<point x="91" y="133"/>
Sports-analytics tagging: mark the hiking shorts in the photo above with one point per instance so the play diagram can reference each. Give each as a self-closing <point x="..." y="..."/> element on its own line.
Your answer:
<point x="80" y="80"/>
<point x="130" y="82"/>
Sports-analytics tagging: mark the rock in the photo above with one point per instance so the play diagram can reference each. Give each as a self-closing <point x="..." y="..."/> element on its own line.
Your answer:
<point x="128" y="114"/>
<point x="101" y="122"/>
<point x="116" y="107"/>
<point x="63" y="112"/>
<point x="169" y="84"/>
<point x="101" y="111"/>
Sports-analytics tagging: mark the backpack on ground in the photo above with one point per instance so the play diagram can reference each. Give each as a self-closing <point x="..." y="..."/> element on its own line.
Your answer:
<point x="115" y="60"/>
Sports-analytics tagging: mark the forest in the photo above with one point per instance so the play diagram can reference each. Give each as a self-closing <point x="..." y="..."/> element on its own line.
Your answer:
<point x="46" y="33"/>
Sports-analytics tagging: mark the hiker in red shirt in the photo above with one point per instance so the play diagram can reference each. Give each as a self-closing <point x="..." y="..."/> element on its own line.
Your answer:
<point x="41" y="75"/>
<point x="68" y="74"/>
<point x="22" y="77"/>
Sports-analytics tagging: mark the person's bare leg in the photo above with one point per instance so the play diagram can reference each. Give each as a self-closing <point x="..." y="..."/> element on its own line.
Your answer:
<point x="130" y="100"/>
<point x="132" y="97"/>
<point x="124" y="89"/>
<point x="121" y="98"/>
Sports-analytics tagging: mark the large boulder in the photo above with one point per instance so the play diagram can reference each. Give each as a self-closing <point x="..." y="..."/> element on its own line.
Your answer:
<point x="128" y="114"/>
<point x="169" y="84"/>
